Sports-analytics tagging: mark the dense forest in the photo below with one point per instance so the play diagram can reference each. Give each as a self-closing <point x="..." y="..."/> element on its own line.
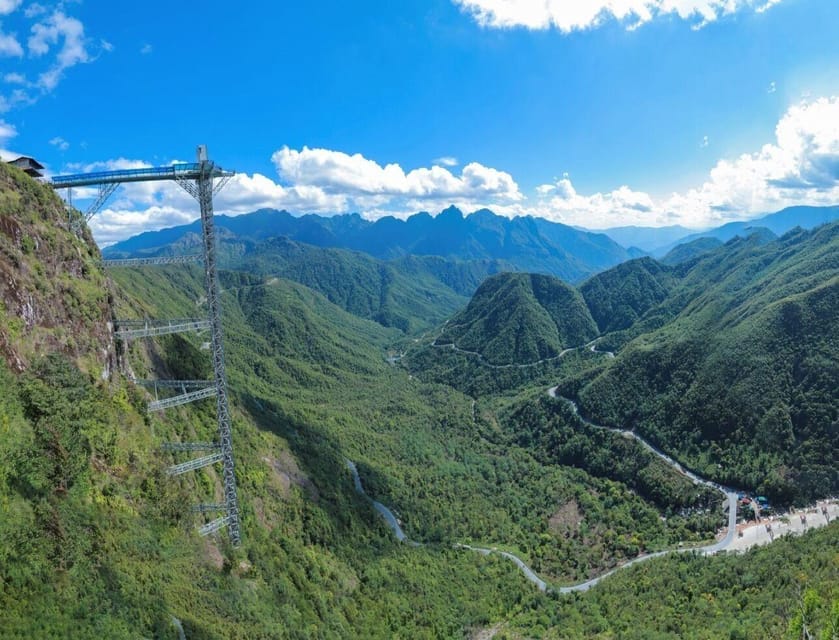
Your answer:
<point x="727" y="360"/>
<point x="97" y="541"/>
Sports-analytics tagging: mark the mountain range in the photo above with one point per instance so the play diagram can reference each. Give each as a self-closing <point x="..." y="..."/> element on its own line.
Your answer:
<point x="522" y="244"/>
<point x="726" y="360"/>
<point x="659" y="240"/>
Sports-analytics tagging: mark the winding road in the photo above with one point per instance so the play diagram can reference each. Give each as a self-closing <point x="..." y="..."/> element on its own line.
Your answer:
<point x="730" y="495"/>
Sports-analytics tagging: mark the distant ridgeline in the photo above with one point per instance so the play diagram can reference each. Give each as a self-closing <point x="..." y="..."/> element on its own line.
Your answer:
<point x="728" y="359"/>
<point x="517" y="244"/>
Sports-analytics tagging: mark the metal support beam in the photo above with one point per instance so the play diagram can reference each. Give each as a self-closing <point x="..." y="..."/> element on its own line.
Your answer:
<point x="186" y="171"/>
<point x="205" y="201"/>
<point x="208" y="508"/>
<point x="194" y="465"/>
<point x="104" y="192"/>
<point x="129" y="329"/>
<point x="190" y="446"/>
<point x="143" y="262"/>
<point x="184" y="398"/>
<point x="174" y="384"/>
<point x="199" y="180"/>
<point x="215" y="525"/>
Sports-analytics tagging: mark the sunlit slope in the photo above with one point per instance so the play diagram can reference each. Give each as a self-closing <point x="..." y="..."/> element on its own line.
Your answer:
<point x="742" y="381"/>
<point x="519" y="318"/>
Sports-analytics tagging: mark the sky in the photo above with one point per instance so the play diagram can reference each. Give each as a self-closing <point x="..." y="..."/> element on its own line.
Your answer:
<point x="596" y="113"/>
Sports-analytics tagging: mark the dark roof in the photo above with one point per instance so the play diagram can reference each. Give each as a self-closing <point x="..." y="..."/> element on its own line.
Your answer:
<point x="31" y="161"/>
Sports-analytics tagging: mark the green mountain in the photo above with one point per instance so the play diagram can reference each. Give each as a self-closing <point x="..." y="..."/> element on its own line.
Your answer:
<point x="690" y="250"/>
<point x="386" y="293"/>
<point x="516" y="318"/>
<point x="617" y="298"/>
<point x="98" y="541"/>
<point x="523" y="243"/>
<point x="741" y="381"/>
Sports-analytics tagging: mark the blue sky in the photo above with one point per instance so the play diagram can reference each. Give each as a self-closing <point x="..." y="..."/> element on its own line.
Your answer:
<point x="591" y="112"/>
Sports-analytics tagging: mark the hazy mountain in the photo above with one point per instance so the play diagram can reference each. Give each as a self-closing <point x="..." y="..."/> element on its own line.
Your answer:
<point x="659" y="240"/>
<point x="689" y="250"/>
<point x="778" y="223"/>
<point x="524" y="243"/>
<point x="647" y="238"/>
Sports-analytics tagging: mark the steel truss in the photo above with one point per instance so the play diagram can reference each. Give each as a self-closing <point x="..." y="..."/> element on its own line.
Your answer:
<point x="184" y="398"/>
<point x="201" y="179"/>
<point x="143" y="262"/>
<point x="128" y="329"/>
<point x="190" y="446"/>
<point x="194" y="465"/>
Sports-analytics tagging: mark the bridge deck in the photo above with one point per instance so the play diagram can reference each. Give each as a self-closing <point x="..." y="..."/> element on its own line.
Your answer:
<point x="185" y="171"/>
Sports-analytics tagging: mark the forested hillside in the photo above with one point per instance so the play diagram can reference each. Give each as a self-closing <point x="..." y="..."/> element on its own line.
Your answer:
<point x="522" y="243"/>
<point x="516" y="318"/>
<point x="97" y="541"/>
<point x="357" y="283"/>
<point x="742" y="383"/>
<point x="726" y="360"/>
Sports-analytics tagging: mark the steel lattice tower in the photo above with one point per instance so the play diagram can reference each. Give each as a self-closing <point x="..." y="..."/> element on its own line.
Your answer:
<point x="205" y="201"/>
<point x="199" y="180"/>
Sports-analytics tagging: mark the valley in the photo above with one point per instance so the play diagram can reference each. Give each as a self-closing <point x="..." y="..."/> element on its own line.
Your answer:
<point x="453" y="488"/>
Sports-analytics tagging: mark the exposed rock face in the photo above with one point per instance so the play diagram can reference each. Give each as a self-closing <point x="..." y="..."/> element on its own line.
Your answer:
<point x="53" y="292"/>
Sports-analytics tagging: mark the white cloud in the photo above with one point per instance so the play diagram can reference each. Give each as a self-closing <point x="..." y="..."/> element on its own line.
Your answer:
<point x="56" y="43"/>
<point x="772" y="88"/>
<point x="58" y="27"/>
<point x="60" y="143"/>
<point x="8" y="6"/>
<point x="146" y="49"/>
<point x="354" y="175"/>
<point x="800" y="167"/>
<point x="574" y="15"/>
<point x="446" y="161"/>
<point x="9" y="45"/>
<point x="34" y="10"/>
<point x="7" y="131"/>
<point x="704" y="142"/>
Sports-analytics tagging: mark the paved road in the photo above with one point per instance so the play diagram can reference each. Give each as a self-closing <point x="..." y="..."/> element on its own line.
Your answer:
<point x="730" y="494"/>
<point x="386" y="513"/>
<point x="729" y="541"/>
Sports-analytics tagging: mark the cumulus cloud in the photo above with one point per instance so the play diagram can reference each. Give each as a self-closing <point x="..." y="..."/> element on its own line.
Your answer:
<point x="800" y="167"/>
<point x="446" y="161"/>
<point x="575" y="15"/>
<point x="9" y="44"/>
<point x="8" y="6"/>
<point x="60" y="143"/>
<point x="311" y="181"/>
<point x="337" y="172"/>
